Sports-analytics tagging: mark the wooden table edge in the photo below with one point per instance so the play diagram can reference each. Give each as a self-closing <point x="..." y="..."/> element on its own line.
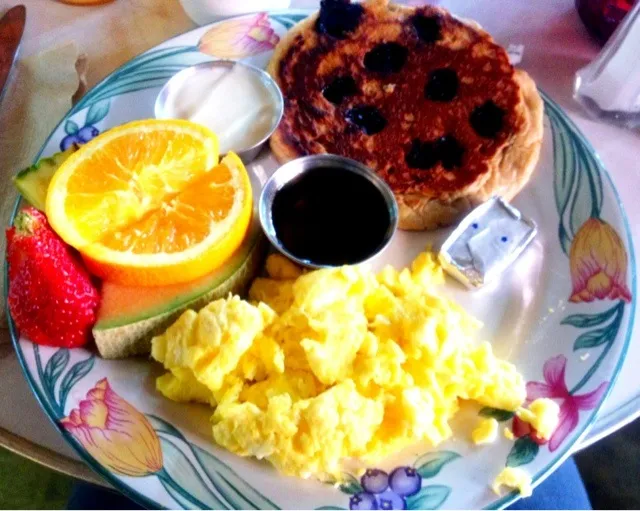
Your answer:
<point x="49" y="458"/>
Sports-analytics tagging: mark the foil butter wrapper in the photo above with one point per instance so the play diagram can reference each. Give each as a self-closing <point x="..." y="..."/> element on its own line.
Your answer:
<point x="486" y="242"/>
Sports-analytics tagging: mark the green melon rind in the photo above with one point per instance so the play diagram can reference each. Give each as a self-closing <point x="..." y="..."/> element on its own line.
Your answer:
<point x="130" y="334"/>
<point x="117" y="340"/>
<point x="218" y="277"/>
<point x="33" y="182"/>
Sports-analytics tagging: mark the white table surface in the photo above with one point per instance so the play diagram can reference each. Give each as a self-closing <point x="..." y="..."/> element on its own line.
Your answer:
<point x="556" y="46"/>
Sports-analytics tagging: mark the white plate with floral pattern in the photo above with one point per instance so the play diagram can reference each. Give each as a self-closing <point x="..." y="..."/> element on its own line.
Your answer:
<point x="562" y="313"/>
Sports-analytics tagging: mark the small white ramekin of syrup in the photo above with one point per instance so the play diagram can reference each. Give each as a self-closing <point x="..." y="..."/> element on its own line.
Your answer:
<point x="325" y="210"/>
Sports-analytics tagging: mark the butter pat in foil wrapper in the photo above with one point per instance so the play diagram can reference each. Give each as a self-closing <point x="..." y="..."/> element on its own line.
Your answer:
<point x="486" y="242"/>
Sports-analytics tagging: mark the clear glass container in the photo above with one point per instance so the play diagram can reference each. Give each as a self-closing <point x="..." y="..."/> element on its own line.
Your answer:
<point x="609" y="87"/>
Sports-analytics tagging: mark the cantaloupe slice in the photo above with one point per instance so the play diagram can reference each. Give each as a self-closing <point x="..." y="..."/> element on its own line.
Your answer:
<point x="130" y="316"/>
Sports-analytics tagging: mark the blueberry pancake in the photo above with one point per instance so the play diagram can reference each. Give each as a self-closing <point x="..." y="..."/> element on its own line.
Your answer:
<point x="428" y="101"/>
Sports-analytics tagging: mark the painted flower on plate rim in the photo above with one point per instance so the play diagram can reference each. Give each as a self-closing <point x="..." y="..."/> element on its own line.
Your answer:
<point x="598" y="263"/>
<point x="240" y="37"/>
<point x="555" y="387"/>
<point x="382" y="490"/>
<point x="116" y="434"/>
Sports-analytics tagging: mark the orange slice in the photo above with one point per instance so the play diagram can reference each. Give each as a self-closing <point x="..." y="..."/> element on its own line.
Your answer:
<point x="146" y="204"/>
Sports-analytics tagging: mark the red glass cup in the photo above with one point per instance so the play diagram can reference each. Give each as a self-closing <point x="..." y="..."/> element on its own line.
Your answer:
<point x="602" y="17"/>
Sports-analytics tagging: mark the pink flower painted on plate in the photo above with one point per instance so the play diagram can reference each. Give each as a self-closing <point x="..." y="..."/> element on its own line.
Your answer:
<point x="239" y="38"/>
<point x="571" y="405"/>
<point x="116" y="434"/>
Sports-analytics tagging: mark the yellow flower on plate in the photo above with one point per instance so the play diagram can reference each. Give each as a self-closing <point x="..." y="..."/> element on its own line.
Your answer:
<point x="240" y="37"/>
<point x="116" y="434"/>
<point x="598" y="263"/>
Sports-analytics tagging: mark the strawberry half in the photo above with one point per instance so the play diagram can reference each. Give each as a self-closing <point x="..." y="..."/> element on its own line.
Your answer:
<point x="52" y="299"/>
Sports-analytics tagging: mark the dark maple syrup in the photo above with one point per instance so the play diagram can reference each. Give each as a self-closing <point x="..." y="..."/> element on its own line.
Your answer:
<point x="331" y="216"/>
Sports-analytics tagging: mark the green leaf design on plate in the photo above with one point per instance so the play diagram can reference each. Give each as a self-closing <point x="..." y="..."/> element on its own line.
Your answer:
<point x="36" y="356"/>
<point x="565" y="240"/>
<point x="55" y="367"/>
<point x="180" y="474"/>
<point x="496" y="413"/>
<point x="611" y="334"/>
<point x="288" y="20"/>
<point x="70" y="127"/>
<point x="162" y="426"/>
<point x="429" y="497"/>
<point x="524" y="451"/>
<point x="220" y="478"/>
<point x="581" y="205"/>
<point x="563" y="177"/>
<point x="149" y="70"/>
<point x="592" y="339"/>
<point x="232" y="487"/>
<point x="96" y="113"/>
<point x="430" y="464"/>
<point x="588" y="320"/>
<point x="577" y="181"/>
<point x="178" y="496"/>
<point x="75" y="374"/>
<point x="592" y="168"/>
<point x="349" y="484"/>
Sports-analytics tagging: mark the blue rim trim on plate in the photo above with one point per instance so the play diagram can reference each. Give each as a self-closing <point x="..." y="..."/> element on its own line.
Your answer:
<point x="498" y="503"/>
<point x="507" y="500"/>
<point x="610" y="422"/>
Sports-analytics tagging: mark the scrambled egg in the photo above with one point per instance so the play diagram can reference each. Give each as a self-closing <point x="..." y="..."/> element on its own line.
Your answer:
<point x="333" y="364"/>
<point x="508" y="434"/>
<point x="513" y="478"/>
<point x="543" y="414"/>
<point x="485" y="432"/>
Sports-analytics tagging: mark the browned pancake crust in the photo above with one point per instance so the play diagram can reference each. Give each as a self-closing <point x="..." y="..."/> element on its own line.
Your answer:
<point x="311" y="124"/>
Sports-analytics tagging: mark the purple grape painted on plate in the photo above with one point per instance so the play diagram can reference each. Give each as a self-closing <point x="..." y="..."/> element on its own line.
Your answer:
<point x="405" y="481"/>
<point x="363" y="501"/>
<point x="375" y="480"/>
<point x="87" y="133"/>
<point x="390" y="500"/>
<point x="68" y="141"/>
